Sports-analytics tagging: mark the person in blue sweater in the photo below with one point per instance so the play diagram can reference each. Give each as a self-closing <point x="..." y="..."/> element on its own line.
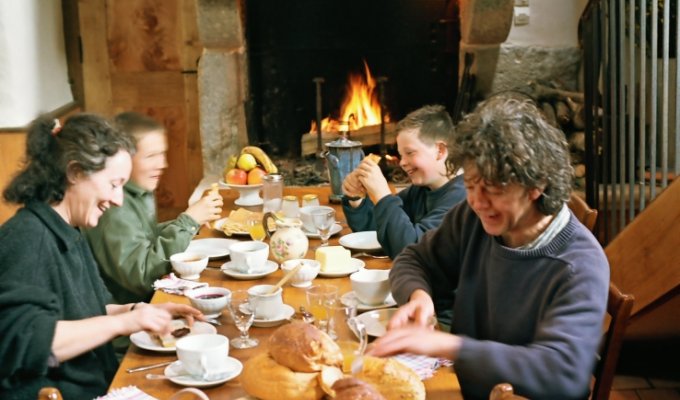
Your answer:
<point x="423" y="138"/>
<point x="531" y="280"/>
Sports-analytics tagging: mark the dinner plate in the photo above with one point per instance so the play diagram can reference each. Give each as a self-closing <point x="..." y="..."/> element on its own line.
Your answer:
<point x="212" y="247"/>
<point x="176" y="373"/>
<point x="351" y="297"/>
<point x="376" y="320"/>
<point x="355" y="265"/>
<point x="335" y="229"/>
<point x="285" y="313"/>
<point x="365" y="241"/>
<point x="269" y="267"/>
<point x="143" y="339"/>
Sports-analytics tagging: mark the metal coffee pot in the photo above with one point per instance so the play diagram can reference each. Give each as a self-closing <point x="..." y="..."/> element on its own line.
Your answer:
<point x="343" y="156"/>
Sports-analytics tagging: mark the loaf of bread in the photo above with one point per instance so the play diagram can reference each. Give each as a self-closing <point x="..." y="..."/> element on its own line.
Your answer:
<point x="392" y="379"/>
<point x="355" y="389"/>
<point x="266" y="379"/>
<point x="304" y="348"/>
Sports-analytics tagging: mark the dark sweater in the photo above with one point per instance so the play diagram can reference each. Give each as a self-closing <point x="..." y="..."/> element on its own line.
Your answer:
<point x="529" y="317"/>
<point x="48" y="274"/>
<point x="403" y="218"/>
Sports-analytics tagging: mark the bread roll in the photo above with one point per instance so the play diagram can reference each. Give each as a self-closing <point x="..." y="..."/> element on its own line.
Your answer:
<point x="392" y="379"/>
<point x="355" y="389"/>
<point x="376" y="158"/>
<point x="264" y="378"/>
<point x="304" y="348"/>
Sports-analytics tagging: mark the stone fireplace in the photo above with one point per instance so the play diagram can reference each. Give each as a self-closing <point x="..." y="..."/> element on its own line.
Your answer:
<point x="260" y="58"/>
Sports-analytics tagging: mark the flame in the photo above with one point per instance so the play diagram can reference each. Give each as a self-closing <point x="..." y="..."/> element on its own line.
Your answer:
<point x="360" y="106"/>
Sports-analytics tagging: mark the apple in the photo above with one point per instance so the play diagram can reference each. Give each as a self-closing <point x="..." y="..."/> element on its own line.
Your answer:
<point x="255" y="176"/>
<point x="246" y="162"/>
<point x="236" y="176"/>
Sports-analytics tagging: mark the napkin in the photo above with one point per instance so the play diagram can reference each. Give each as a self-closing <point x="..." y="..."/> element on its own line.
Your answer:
<point x="126" y="393"/>
<point x="424" y="366"/>
<point x="174" y="285"/>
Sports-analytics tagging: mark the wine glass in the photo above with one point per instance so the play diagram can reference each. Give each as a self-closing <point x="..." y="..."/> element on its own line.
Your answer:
<point x="323" y="221"/>
<point x="243" y="314"/>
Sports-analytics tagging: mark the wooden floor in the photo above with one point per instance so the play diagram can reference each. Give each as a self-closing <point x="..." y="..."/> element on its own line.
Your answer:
<point x="644" y="388"/>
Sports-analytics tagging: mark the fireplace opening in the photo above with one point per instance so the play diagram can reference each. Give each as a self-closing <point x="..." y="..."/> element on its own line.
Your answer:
<point x="411" y="43"/>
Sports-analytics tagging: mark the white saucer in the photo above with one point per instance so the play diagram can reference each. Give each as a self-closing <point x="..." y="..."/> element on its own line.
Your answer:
<point x="212" y="247"/>
<point x="363" y="241"/>
<point x="285" y="313"/>
<point x="335" y="229"/>
<point x="356" y="264"/>
<point x="175" y="372"/>
<point x="349" y="297"/>
<point x="270" y="267"/>
<point x="144" y="341"/>
<point x="376" y="321"/>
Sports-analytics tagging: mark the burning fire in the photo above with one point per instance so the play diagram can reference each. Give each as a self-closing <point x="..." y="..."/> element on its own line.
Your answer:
<point x="360" y="106"/>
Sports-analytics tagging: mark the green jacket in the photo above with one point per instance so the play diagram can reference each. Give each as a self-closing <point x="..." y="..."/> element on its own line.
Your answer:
<point x="131" y="247"/>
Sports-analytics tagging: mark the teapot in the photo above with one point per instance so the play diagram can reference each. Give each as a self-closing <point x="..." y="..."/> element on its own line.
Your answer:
<point x="288" y="242"/>
<point x="343" y="156"/>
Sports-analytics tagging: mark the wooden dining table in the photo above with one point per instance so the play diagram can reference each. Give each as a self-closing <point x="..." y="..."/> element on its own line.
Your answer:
<point x="443" y="385"/>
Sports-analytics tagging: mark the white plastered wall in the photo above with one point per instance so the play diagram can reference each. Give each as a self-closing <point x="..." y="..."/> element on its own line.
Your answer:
<point x="33" y="68"/>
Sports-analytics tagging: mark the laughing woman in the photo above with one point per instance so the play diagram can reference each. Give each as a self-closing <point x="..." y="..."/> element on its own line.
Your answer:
<point x="55" y="316"/>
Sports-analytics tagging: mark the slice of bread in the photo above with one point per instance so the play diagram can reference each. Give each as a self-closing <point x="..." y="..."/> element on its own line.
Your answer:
<point x="178" y="329"/>
<point x="376" y="158"/>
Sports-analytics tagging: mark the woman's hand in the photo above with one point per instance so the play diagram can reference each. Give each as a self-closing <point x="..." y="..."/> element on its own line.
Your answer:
<point x="190" y="314"/>
<point x="371" y="177"/>
<point x="208" y="208"/>
<point x="419" y="311"/>
<point x="417" y="340"/>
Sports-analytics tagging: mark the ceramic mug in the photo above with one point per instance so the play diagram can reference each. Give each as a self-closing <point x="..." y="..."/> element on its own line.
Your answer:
<point x="249" y="256"/>
<point x="204" y="354"/>
<point x="267" y="305"/>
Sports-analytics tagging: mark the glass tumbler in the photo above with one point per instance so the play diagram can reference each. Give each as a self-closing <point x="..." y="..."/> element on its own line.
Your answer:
<point x="310" y="199"/>
<point x="272" y="192"/>
<point x="290" y="207"/>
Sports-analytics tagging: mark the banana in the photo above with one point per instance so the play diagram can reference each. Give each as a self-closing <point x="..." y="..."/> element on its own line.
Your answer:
<point x="261" y="158"/>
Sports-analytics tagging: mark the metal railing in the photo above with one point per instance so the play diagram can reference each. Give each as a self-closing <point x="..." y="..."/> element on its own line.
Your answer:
<point x="632" y="105"/>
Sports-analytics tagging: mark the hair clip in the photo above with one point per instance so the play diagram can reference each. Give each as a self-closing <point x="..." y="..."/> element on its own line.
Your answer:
<point x="56" y="128"/>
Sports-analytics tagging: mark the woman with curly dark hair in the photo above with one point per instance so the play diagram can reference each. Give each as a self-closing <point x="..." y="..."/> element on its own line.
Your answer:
<point x="55" y="316"/>
<point x="531" y="281"/>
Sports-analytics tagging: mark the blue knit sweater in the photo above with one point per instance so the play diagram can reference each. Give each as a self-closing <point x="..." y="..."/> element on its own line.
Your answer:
<point x="532" y="318"/>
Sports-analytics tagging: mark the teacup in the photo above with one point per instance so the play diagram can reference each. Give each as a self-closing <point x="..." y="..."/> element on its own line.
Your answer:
<point x="306" y="217"/>
<point x="249" y="256"/>
<point x="371" y="286"/>
<point x="267" y="306"/>
<point x="189" y="265"/>
<point x="209" y="300"/>
<point x="203" y="355"/>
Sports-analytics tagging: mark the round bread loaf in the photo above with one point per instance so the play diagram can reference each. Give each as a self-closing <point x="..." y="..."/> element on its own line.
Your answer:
<point x="355" y="389"/>
<point x="392" y="379"/>
<point x="264" y="378"/>
<point x="304" y="348"/>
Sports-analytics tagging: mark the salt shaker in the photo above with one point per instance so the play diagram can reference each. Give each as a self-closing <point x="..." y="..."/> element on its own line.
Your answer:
<point x="290" y="207"/>
<point x="272" y="192"/>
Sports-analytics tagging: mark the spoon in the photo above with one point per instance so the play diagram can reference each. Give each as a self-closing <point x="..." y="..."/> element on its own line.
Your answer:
<point x="364" y="254"/>
<point x="285" y="278"/>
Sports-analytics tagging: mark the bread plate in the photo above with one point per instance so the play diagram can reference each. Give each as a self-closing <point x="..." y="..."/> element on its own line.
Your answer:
<point x="144" y="340"/>
<point x="364" y="241"/>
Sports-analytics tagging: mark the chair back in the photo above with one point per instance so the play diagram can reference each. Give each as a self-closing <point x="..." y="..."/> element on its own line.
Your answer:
<point x="49" y="393"/>
<point x="504" y="391"/>
<point x="583" y="212"/>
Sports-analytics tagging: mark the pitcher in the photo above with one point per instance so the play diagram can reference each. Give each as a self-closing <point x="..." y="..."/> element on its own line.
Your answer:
<point x="288" y="242"/>
<point x="343" y="157"/>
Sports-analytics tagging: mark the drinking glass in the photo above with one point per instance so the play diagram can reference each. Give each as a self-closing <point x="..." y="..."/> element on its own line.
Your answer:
<point x="319" y="298"/>
<point x="243" y="314"/>
<point x="290" y="207"/>
<point x="323" y="221"/>
<point x="310" y="199"/>
<point x="342" y="328"/>
<point x="256" y="229"/>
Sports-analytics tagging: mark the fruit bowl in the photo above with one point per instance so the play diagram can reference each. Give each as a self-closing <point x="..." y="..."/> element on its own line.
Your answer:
<point x="249" y="195"/>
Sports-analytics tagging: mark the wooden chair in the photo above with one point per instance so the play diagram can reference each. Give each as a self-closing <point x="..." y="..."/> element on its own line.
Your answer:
<point x="504" y="391"/>
<point x="582" y="211"/>
<point x="49" y="393"/>
<point x="619" y="306"/>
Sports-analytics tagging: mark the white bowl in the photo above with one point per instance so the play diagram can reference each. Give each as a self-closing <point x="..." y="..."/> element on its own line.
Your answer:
<point x="372" y="286"/>
<point x="209" y="300"/>
<point x="302" y="278"/>
<point x="189" y="265"/>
